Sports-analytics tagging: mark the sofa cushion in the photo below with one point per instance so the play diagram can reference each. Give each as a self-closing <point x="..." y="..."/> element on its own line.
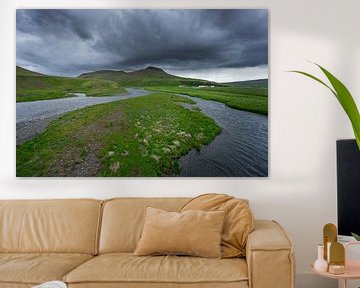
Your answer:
<point x="62" y="226"/>
<point x="194" y="232"/>
<point x="126" y="268"/>
<point x="239" y="220"/>
<point x="123" y="220"/>
<point x="36" y="268"/>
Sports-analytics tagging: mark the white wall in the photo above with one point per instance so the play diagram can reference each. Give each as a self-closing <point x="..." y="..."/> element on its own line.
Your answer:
<point x="305" y="120"/>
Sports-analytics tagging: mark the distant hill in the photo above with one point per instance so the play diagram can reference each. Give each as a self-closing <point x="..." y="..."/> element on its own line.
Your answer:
<point x="259" y="83"/>
<point x="31" y="86"/>
<point x="24" y="72"/>
<point x="150" y="76"/>
<point x="113" y="75"/>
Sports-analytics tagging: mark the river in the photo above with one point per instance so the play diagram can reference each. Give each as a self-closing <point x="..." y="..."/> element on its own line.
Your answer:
<point x="34" y="110"/>
<point x="241" y="150"/>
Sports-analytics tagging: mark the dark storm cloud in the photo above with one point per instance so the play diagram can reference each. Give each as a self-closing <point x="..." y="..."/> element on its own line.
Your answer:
<point x="74" y="41"/>
<point x="55" y="22"/>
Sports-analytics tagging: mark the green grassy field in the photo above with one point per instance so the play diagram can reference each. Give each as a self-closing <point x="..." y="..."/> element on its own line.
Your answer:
<point x="142" y="136"/>
<point x="260" y="83"/>
<point x="31" y="86"/>
<point x="241" y="98"/>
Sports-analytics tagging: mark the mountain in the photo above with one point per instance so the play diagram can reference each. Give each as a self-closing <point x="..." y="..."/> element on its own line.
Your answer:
<point x="150" y="71"/>
<point x="24" y="72"/>
<point x="113" y="75"/>
<point x="259" y="83"/>
<point x="150" y="76"/>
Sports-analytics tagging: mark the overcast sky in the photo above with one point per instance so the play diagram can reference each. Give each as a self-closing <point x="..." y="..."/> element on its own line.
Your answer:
<point x="218" y="45"/>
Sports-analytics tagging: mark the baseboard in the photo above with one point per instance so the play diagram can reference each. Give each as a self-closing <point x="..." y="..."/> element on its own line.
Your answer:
<point x="309" y="280"/>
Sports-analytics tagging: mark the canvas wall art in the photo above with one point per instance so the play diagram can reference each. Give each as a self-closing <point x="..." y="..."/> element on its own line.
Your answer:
<point x="142" y="93"/>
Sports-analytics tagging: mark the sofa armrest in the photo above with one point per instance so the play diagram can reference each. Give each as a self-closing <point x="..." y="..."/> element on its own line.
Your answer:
<point x="269" y="255"/>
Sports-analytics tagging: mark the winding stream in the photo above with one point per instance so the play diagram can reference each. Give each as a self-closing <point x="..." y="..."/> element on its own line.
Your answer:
<point x="35" y="110"/>
<point x="241" y="150"/>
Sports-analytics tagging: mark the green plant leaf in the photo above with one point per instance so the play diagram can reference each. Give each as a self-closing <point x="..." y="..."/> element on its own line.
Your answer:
<point x="356" y="236"/>
<point x="346" y="100"/>
<point x="316" y="79"/>
<point x="344" y="97"/>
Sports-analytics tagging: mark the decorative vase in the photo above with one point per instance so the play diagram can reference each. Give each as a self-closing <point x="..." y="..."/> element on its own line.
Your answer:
<point x="320" y="264"/>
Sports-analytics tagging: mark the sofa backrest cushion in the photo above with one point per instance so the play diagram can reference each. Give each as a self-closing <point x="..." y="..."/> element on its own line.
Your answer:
<point x="64" y="226"/>
<point x="239" y="220"/>
<point x="123" y="220"/>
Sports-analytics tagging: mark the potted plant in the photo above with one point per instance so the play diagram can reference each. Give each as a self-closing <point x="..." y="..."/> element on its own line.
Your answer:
<point x="345" y="99"/>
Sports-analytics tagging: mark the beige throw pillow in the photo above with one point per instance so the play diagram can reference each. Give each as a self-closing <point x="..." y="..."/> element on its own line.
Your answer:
<point x="196" y="233"/>
<point x="239" y="220"/>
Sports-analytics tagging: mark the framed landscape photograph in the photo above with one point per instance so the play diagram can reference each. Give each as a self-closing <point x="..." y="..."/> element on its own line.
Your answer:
<point x="142" y="93"/>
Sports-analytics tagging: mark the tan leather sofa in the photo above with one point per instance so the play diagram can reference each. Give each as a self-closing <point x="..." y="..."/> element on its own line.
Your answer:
<point x="89" y="243"/>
